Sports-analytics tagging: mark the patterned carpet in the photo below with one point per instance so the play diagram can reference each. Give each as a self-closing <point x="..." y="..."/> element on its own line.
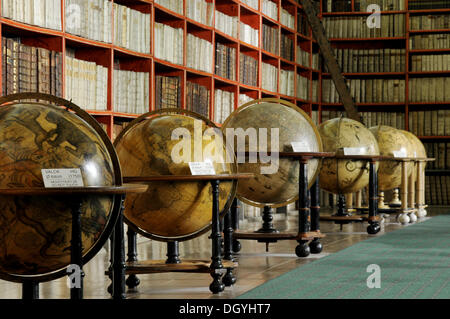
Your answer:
<point x="414" y="263"/>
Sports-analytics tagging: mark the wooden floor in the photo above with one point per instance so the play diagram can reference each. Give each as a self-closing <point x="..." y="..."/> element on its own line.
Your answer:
<point x="256" y="266"/>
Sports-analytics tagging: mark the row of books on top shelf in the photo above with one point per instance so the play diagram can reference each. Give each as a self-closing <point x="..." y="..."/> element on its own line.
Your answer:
<point x="429" y="89"/>
<point x="431" y="122"/>
<point x="430" y="62"/>
<point x="197" y="98"/>
<point x="168" y="43"/>
<point x="370" y="119"/>
<point x="428" y="4"/>
<point x="251" y="3"/>
<point x="42" y="13"/>
<point x="269" y="77"/>
<point x="362" y="5"/>
<point x="223" y="105"/>
<point x="287" y="82"/>
<point x="248" y="70"/>
<point x="270" y="38"/>
<point x="86" y="83"/>
<point x="270" y="9"/>
<point x="429" y="41"/>
<point x="131" y="91"/>
<point x="167" y="92"/>
<point x="437" y="190"/>
<point x="30" y="69"/>
<point x="367" y="90"/>
<point x="287" y="19"/>
<point x="287" y="48"/>
<point x="303" y="85"/>
<point x="226" y="24"/>
<point x="199" y="53"/>
<point x="200" y="11"/>
<point x="90" y="19"/>
<point x="429" y="22"/>
<point x="248" y="34"/>
<point x="131" y="29"/>
<point x="172" y="5"/>
<point x="225" y="60"/>
<point x="440" y="152"/>
<point x="371" y="60"/>
<point x="391" y="25"/>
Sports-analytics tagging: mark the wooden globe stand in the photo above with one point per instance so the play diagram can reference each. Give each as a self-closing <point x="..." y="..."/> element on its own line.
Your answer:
<point x="412" y="190"/>
<point x="308" y="216"/>
<point x="345" y="217"/>
<point x="30" y="284"/>
<point x="220" y="267"/>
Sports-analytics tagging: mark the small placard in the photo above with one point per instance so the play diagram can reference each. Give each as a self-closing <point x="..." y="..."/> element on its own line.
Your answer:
<point x="300" y="147"/>
<point x="401" y="153"/>
<point x="354" y="151"/>
<point x="62" y="177"/>
<point x="202" y="168"/>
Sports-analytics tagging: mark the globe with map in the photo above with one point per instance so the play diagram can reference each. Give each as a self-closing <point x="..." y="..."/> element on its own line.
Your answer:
<point x="345" y="136"/>
<point x="173" y="210"/>
<point x="35" y="231"/>
<point x="392" y="142"/>
<point x="272" y="125"/>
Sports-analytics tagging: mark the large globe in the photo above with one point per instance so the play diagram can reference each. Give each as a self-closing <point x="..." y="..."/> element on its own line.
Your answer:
<point x="346" y="136"/>
<point x="418" y="148"/>
<point x="35" y="231"/>
<point x="392" y="142"/>
<point x="176" y="210"/>
<point x="280" y="187"/>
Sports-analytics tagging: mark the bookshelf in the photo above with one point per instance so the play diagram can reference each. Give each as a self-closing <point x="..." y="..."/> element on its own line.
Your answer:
<point x="168" y="53"/>
<point x="242" y="65"/>
<point x="415" y="67"/>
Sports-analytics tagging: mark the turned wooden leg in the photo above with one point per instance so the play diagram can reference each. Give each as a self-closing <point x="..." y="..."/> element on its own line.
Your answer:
<point x="411" y="196"/>
<point x="381" y="204"/>
<point x="304" y="218"/>
<point x="374" y="225"/>
<point x="315" y="245"/>
<point x="403" y="217"/>
<point x="118" y="267"/>
<point x="229" y="278"/>
<point x="132" y="280"/>
<point x="358" y="199"/>
<point x="216" y="265"/>
<point x="420" y="190"/>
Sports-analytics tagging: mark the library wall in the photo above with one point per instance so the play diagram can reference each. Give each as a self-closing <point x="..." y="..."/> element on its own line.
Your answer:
<point x="118" y="59"/>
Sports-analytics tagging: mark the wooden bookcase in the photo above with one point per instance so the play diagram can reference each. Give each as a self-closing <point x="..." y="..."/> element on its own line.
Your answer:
<point x="111" y="55"/>
<point x="307" y="77"/>
<point x="409" y="107"/>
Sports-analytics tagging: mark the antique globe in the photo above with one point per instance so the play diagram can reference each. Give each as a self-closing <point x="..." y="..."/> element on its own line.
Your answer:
<point x="345" y="136"/>
<point x="173" y="210"/>
<point x="35" y="231"/>
<point x="392" y="142"/>
<point x="418" y="149"/>
<point x="274" y="122"/>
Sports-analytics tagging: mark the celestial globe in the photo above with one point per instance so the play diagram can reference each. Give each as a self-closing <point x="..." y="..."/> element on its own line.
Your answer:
<point x="152" y="145"/>
<point x="345" y="136"/>
<point x="276" y="124"/>
<point x="392" y="142"/>
<point x="35" y="231"/>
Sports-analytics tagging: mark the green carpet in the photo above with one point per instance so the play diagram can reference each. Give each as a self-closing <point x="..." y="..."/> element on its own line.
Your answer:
<point x="414" y="264"/>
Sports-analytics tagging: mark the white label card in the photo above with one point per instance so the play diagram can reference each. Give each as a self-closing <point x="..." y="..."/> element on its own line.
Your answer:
<point x="353" y="150"/>
<point x="62" y="177"/>
<point x="300" y="147"/>
<point x="202" y="168"/>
